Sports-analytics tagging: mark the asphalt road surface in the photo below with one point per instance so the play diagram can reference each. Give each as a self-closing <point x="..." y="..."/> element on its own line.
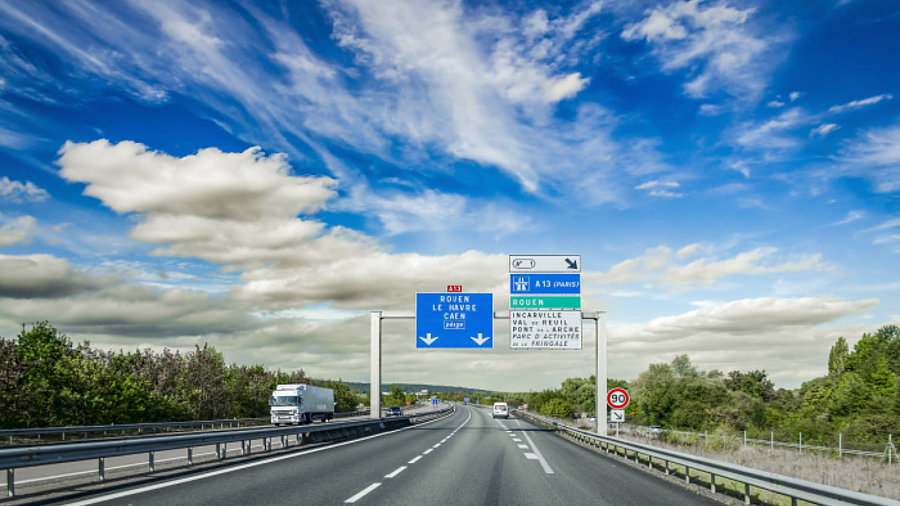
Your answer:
<point x="465" y="458"/>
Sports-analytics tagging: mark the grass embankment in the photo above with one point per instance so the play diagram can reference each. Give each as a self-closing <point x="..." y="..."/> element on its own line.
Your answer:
<point x="862" y="474"/>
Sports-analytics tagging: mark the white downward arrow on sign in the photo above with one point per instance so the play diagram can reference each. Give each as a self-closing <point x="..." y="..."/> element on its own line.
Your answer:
<point x="428" y="339"/>
<point x="480" y="340"/>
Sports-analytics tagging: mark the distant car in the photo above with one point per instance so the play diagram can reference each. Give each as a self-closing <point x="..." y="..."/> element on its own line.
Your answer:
<point x="500" y="409"/>
<point x="393" y="411"/>
<point x="655" y="429"/>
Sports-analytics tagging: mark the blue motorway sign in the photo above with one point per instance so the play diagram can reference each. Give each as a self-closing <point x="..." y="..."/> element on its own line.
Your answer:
<point x="544" y="283"/>
<point x="454" y="320"/>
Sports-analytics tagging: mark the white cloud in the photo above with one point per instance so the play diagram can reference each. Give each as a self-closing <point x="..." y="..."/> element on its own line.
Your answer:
<point x="660" y="266"/>
<point x="787" y="337"/>
<point x="823" y="130"/>
<point x="794" y="95"/>
<point x="16" y="230"/>
<point x="875" y="155"/>
<point x="565" y="87"/>
<point x="858" y="104"/>
<point x="851" y="217"/>
<point x="659" y="188"/>
<point x="705" y="272"/>
<point x="775" y="104"/>
<point x="18" y="192"/>
<point x="775" y="133"/>
<point x="716" y="43"/>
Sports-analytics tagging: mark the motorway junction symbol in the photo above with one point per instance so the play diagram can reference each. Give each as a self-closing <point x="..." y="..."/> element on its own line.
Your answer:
<point x="544" y="283"/>
<point x="454" y="320"/>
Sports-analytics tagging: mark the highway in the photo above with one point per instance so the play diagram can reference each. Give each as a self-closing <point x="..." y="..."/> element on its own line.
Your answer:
<point x="465" y="458"/>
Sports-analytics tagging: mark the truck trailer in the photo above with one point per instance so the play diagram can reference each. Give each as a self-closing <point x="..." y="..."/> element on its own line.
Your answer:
<point x="301" y="403"/>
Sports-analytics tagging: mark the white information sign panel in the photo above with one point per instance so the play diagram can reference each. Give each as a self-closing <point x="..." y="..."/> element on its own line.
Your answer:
<point x="617" y="416"/>
<point x="545" y="329"/>
<point x="545" y="263"/>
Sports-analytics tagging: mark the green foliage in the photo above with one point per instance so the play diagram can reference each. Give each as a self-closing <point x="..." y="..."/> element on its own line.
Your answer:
<point x="397" y="397"/>
<point x="45" y="380"/>
<point x="558" y="407"/>
<point x="859" y="397"/>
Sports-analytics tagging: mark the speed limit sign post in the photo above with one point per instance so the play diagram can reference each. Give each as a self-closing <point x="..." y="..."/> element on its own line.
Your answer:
<point x="617" y="398"/>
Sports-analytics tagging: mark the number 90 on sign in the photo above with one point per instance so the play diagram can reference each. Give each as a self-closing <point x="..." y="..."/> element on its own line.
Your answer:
<point x="617" y="398"/>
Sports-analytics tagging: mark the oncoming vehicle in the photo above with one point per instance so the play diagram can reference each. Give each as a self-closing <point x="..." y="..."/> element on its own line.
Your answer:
<point x="500" y="409"/>
<point x="393" y="411"/>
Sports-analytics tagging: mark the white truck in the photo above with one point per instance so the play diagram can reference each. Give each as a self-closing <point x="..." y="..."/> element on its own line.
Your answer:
<point x="301" y="403"/>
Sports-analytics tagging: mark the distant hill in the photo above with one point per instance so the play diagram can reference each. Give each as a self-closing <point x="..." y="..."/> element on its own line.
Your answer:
<point x="415" y="387"/>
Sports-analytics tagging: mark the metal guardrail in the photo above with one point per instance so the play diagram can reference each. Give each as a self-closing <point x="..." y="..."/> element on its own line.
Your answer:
<point x="140" y="427"/>
<point x="888" y="453"/>
<point x="791" y="487"/>
<point x="29" y="456"/>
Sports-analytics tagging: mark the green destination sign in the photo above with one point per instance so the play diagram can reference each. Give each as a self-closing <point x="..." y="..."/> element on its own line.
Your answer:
<point x="545" y="302"/>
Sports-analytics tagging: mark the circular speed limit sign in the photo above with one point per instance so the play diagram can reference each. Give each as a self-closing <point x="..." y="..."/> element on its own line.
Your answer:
<point x="617" y="398"/>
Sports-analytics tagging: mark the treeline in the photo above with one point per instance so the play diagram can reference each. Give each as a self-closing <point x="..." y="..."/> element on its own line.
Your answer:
<point x="46" y="380"/>
<point x="858" y="398"/>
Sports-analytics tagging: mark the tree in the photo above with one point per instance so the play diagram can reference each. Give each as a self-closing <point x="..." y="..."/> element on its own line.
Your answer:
<point x="837" y="356"/>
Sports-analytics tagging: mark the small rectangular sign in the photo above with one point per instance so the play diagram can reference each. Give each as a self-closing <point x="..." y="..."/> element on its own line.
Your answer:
<point x="545" y="263"/>
<point x="545" y="302"/>
<point x="545" y="329"/>
<point x="540" y="283"/>
<point x="617" y="416"/>
<point x="454" y="320"/>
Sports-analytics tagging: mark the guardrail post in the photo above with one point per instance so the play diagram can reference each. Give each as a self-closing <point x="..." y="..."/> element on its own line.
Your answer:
<point x="10" y="482"/>
<point x="712" y="483"/>
<point x="190" y="456"/>
<point x="840" y="445"/>
<point x="746" y="493"/>
<point x="687" y="474"/>
<point x="152" y="462"/>
<point x="667" y="468"/>
<point x="101" y="468"/>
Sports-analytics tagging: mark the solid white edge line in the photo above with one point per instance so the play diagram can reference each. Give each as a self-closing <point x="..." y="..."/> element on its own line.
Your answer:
<point x="362" y="493"/>
<point x="148" y="488"/>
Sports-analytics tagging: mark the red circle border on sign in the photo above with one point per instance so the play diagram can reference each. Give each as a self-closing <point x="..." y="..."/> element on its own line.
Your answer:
<point x="617" y="390"/>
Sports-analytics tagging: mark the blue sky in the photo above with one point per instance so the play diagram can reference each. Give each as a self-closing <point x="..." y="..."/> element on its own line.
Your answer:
<point x="261" y="176"/>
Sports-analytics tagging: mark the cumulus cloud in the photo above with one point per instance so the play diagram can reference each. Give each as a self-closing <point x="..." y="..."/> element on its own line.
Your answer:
<point x="18" y="192"/>
<point x="16" y="230"/>
<point x="716" y="43"/>
<point x="787" y="336"/>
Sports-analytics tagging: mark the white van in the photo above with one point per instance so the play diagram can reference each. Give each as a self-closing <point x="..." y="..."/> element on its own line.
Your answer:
<point x="501" y="409"/>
